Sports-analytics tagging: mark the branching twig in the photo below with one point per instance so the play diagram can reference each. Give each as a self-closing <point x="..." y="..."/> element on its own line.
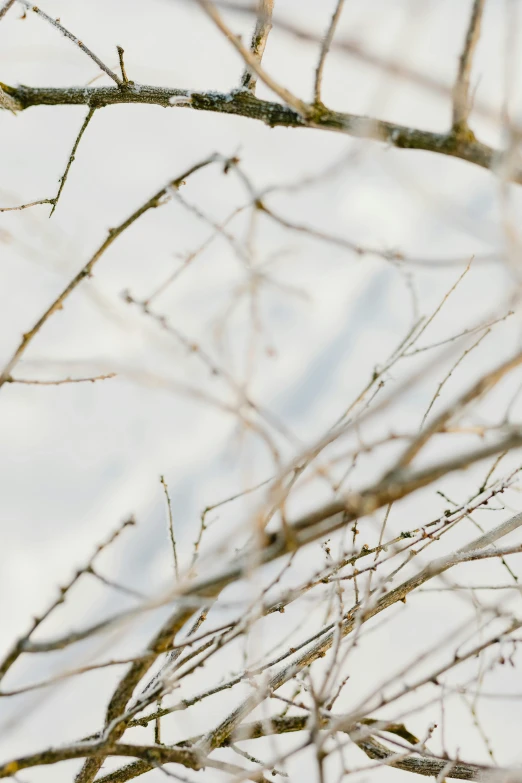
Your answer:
<point x="19" y="647"/>
<point x="86" y="271"/>
<point x="56" y="24"/>
<point x="252" y="61"/>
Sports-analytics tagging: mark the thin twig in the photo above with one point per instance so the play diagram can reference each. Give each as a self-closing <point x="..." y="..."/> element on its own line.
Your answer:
<point x="26" y="206"/>
<point x="56" y="24"/>
<point x="86" y="271"/>
<point x="252" y="61"/>
<point x="450" y="373"/>
<point x="63" y="178"/>
<point x="171" y="526"/>
<point x="325" y="48"/>
<point x="259" y="39"/>
<point x="61" y="381"/>
<point x="461" y="98"/>
<point x="19" y="647"/>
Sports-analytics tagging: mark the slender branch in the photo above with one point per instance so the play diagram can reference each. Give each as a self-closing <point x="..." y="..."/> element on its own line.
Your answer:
<point x="252" y="61"/>
<point x="86" y="271"/>
<point x="5" y="8"/>
<point x="19" y="647"/>
<point x="61" y="381"/>
<point x="483" y="385"/>
<point x="259" y="39"/>
<point x="72" y="157"/>
<point x="56" y="24"/>
<point x="353" y="47"/>
<point x="358" y="613"/>
<point x="243" y="103"/>
<point x="26" y="206"/>
<point x="171" y="526"/>
<point x="461" y="98"/>
<point x="325" y="48"/>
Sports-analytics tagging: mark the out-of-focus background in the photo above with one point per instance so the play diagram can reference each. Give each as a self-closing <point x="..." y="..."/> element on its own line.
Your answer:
<point x="76" y="459"/>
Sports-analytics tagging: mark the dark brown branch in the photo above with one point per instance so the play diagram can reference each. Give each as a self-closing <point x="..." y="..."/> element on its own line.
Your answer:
<point x="65" y="174"/>
<point x="243" y="103"/>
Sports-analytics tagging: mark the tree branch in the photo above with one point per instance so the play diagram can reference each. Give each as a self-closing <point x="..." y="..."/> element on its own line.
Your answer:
<point x="243" y="103"/>
<point x="56" y="24"/>
<point x="252" y="61"/>
<point x="461" y="101"/>
<point x="259" y="39"/>
<point x="86" y="270"/>
<point x="65" y="174"/>
<point x="5" y="8"/>
<point x="420" y="763"/>
<point x="325" y="48"/>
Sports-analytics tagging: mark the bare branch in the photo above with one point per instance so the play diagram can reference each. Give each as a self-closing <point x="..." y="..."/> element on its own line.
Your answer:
<point x="485" y="384"/>
<point x="259" y="39"/>
<point x="26" y="206"/>
<point x="61" y="381"/>
<point x="86" y="271"/>
<point x="19" y="647"/>
<point x="325" y="48"/>
<point x="5" y="8"/>
<point x="253" y="62"/>
<point x="63" y="178"/>
<point x="243" y="103"/>
<point x="358" y="613"/>
<point x="171" y="526"/>
<point x="56" y="24"/>
<point x="461" y="98"/>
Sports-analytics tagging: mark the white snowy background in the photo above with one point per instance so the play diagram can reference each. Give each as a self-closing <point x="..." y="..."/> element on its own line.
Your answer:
<point x="77" y="459"/>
